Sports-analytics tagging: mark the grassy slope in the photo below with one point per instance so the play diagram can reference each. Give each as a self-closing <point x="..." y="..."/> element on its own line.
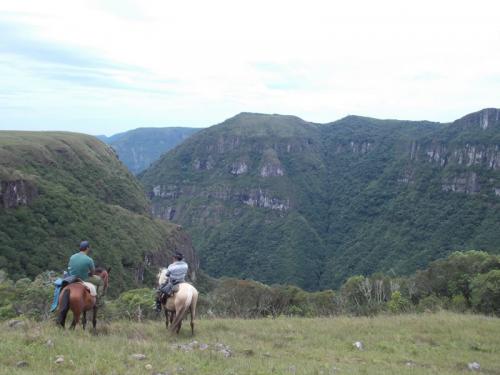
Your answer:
<point x="442" y="343"/>
<point x="84" y="192"/>
<point x="80" y="163"/>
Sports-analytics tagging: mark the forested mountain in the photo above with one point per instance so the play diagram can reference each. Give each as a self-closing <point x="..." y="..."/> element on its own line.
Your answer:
<point x="281" y="200"/>
<point x="59" y="188"/>
<point x="139" y="148"/>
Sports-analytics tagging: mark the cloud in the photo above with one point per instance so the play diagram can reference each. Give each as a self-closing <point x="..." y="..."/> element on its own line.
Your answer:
<point x="56" y="61"/>
<point x="15" y="39"/>
<point x="89" y="64"/>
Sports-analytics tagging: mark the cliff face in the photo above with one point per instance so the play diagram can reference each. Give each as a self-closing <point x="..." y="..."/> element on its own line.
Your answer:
<point x="278" y="199"/>
<point x="59" y="188"/>
<point x="17" y="193"/>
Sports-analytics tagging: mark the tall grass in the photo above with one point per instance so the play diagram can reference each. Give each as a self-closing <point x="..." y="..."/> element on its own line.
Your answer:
<point x="442" y="343"/>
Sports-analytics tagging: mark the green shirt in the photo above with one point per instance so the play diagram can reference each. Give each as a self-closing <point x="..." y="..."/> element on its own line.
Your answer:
<point x="80" y="264"/>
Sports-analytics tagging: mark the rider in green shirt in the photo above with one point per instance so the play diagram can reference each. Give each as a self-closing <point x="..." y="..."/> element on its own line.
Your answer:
<point x="82" y="266"/>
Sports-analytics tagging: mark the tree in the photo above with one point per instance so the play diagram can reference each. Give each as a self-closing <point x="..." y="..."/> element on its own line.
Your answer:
<point x="486" y="293"/>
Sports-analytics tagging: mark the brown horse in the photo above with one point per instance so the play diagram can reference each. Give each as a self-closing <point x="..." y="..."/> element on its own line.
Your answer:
<point x="177" y="307"/>
<point x="78" y="298"/>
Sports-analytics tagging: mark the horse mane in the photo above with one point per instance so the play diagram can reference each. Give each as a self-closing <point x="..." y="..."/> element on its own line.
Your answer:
<point x="162" y="276"/>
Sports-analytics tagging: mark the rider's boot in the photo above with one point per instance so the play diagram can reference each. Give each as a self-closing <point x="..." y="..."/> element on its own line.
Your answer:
<point x="158" y="305"/>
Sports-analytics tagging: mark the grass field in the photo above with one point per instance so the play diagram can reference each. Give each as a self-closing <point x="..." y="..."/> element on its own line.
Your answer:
<point x="442" y="343"/>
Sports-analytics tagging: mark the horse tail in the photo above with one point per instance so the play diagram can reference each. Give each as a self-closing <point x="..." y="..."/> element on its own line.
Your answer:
<point x="179" y="315"/>
<point x="192" y="308"/>
<point x="194" y="302"/>
<point x="64" y="308"/>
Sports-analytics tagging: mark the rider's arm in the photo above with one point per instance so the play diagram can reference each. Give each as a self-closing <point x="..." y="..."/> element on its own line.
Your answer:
<point x="169" y="269"/>
<point x="91" y="268"/>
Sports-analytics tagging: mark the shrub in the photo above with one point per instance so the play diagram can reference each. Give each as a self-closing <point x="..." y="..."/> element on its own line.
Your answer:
<point x="398" y="303"/>
<point x="430" y="303"/>
<point x="135" y="304"/>
<point x="458" y="303"/>
<point x="486" y="293"/>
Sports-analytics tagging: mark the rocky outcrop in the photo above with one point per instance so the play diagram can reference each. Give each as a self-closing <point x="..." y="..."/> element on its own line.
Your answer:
<point x="166" y="213"/>
<point x="250" y="197"/>
<point x="262" y="198"/>
<point x="487" y="156"/>
<point x="239" y="167"/>
<point x="407" y="177"/>
<point x="464" y="183"/>
<point x="203" y="165"/>
<point x="270" y="165"/>
<point x="355" y="147"/>
<point x="165" y="191"/>
<point x="483" y="120"/>
<point x="271" y="170"/>
<point x="17" y="193"/>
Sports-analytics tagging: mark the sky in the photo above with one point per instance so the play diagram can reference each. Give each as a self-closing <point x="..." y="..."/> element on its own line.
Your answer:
<point x="102" y="67"/>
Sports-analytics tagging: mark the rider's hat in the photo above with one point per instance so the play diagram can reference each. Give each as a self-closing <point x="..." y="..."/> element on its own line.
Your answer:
<point x="178" y="255"/>
<point x="84" y="245"/>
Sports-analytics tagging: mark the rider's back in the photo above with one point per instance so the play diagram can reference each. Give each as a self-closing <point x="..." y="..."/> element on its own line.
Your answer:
<point x="79" y="265"/>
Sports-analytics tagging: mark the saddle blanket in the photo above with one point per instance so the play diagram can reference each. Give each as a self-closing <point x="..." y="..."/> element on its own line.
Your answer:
<point x="59" y="284"/>
<point x="91" y="288"/>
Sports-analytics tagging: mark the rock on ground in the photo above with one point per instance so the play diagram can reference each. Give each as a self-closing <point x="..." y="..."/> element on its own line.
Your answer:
<point x="358" y="345"/>
<point x="474" y="366"/>
<point x="59" y="359"/>
<point x="15" y="323"/>
<point x="22" y="364"/>
<point x="138" y="356"/>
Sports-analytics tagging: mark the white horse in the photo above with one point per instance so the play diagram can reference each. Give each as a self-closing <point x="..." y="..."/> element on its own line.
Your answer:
<point x="176" y="307"/>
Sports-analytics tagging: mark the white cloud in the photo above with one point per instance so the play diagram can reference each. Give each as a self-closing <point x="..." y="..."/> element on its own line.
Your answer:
<point x="107" y="66"/>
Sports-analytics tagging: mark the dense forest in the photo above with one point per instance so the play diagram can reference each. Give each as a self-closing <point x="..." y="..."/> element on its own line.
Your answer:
<point x="281" y="200"/>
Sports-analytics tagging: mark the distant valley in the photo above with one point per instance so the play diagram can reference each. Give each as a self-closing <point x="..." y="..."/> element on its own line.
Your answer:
<point x="138" y="148"/>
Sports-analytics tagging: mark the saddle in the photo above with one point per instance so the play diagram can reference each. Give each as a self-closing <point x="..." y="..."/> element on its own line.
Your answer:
<point x="175" y="289"/>
<point x="90" y="287"/>
<point x="60" y="283"/>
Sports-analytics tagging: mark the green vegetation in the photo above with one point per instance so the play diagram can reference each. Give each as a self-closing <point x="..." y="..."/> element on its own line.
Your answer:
<point x="443" y="343"/>
<point x="464" y="282"/>
<point x="139" y="148"/>
<point x="58" y="188"/>
<point x="280" y="200"/>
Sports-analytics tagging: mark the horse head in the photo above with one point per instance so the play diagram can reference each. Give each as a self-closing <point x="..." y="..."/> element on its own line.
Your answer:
<point x="103" y="273"/>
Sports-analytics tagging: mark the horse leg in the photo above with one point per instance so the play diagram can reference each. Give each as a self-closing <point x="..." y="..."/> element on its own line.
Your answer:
<point x="179" y="327"/>
<point x="94" y="316"/>
<point x="84" y="320"/>
<point x="192" y="320"/>
<point x="167" y="316"/>
<point x="172" y="316"/>
<point x="76" y="318"/>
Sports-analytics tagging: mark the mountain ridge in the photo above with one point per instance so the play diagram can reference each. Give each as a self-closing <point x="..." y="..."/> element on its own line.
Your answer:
<point x="57" y="188"/>
<point x="320" y="198"/>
